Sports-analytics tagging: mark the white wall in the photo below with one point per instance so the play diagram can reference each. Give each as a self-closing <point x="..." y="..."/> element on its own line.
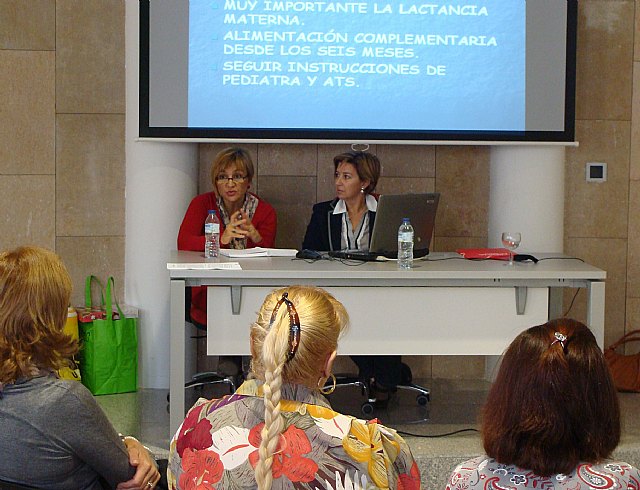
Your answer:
<point x="527" y="195"/>
<point x="161" y="179"/>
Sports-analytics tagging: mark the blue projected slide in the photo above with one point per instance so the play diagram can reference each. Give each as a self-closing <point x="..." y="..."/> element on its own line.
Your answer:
<point x="357" y="65"/>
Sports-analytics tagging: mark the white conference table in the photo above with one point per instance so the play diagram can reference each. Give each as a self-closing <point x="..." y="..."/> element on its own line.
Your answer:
<point x="445" y="305"/>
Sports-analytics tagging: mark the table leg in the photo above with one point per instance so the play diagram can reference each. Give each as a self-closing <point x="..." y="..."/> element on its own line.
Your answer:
<point x="555" y="303"/>
<point x="177" y="356"/>
<point x="595" y="310"/>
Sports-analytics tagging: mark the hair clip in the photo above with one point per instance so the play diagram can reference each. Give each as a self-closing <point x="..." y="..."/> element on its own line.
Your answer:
<point x="559" y="338"/>
<point x="294" y="324"/>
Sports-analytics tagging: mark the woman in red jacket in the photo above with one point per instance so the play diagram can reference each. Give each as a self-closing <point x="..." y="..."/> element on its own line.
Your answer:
<point x="245" y="220"/>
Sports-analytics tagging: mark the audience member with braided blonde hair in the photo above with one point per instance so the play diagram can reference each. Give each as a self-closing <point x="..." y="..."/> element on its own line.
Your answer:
<point x="278" y="430"/>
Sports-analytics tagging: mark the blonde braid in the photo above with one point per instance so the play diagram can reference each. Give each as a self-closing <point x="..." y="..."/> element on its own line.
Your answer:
<point x="322" y="319"/>
<point x="274" y="355"/>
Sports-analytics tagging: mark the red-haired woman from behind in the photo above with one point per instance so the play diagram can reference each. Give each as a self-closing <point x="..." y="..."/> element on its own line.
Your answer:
<point x="551" y="419"/>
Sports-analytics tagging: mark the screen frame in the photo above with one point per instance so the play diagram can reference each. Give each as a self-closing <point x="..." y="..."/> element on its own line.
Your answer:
<point x="364" y="136"/>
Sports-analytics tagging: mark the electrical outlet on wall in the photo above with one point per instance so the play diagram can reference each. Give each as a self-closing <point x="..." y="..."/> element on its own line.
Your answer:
<point x="596" y="171"/>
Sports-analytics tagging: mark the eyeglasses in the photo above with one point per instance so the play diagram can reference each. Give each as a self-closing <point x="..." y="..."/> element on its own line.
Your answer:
<point x="236" y="178"/>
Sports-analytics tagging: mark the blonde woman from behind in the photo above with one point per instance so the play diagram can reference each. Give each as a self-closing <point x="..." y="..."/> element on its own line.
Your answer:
<point x="278" y="430"/>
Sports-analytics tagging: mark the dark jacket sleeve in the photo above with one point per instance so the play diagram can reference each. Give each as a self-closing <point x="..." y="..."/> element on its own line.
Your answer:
<point x="317" y="235"/>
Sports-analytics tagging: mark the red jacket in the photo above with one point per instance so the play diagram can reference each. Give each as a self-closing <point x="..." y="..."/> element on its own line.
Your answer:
<point x="191" y="237"/>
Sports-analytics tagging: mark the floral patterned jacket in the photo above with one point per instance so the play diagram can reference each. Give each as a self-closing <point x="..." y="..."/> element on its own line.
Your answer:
<point x="487" y="474"/>
<point x="216" y="447"/>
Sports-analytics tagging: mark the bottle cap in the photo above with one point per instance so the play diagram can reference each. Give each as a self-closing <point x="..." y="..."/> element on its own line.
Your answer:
<point x="212" y="211"/>
<point x="405" y="220"/>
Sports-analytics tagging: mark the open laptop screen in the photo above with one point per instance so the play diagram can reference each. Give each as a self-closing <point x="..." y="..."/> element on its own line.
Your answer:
<point x="392" y="208"/>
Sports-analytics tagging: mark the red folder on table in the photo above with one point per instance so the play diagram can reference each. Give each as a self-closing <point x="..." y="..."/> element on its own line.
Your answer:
<point x="484" y="253"/>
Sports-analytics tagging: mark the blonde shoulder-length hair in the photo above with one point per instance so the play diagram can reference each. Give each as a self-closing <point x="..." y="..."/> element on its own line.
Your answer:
<point x="35" y="289"/>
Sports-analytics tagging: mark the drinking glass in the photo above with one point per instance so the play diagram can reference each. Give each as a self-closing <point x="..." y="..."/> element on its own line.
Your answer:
<point x="511" y="240"/>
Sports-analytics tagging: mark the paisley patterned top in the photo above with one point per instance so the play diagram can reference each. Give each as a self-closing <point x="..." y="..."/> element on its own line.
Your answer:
<point x="216" y="447"/>
<point x="487" y="474"/>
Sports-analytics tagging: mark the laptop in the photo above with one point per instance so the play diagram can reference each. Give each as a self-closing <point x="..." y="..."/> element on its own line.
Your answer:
<point x="421" y="211"/>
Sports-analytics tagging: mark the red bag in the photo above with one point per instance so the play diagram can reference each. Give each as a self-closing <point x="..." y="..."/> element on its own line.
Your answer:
<point x="625" y="369"/>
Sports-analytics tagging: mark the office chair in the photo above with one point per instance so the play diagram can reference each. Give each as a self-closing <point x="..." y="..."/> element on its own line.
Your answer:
<point x="422" y="398"/>
<point x="205" y="378"/>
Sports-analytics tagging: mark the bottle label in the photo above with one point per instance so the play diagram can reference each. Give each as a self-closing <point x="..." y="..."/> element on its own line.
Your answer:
<point x="406" y="236"/>
<point x="210" y="228"/>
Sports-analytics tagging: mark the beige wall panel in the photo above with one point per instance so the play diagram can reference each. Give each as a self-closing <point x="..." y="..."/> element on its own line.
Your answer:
<point x="634" y="171"/>
<point x="633" y="323"/>
<point x="451" y="244"/>
<point x="90" y="63"/>
<point x="636" y="49"/>
<point x="405" y="185"/>
<point x="292" y="198"/>
<point x="207" y="154"/>
<point x="611" y="256"/>
<point x="633" y="253"/>
<point x="101" y="256"/>
<point x="292" y="225"/>
<point x="458" y="367"/>
<point x="462" y="179"/>
<point x="90" y="175"/>
<point x="29" y="25"/>
<point x="598" y="209"/>
<point x="280" y="159"/>
<point x="407" y="160"/>
<point x="605" y="51"/>
<point x="28" y="211"/>
<point x="27" y="112"/>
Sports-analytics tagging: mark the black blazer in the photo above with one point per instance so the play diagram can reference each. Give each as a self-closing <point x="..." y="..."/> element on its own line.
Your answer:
<point x="325" y="228"/>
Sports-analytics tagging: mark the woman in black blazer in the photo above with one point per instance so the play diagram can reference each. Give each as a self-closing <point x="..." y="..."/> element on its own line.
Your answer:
<point x="345" y="223"/>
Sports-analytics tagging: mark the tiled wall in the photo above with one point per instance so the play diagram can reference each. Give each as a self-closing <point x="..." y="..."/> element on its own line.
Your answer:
<point x="602" y="223"/>
<point x="62" y="162"/>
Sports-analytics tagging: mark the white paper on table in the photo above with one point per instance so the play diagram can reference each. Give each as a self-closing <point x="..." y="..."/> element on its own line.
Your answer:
<point x="258" y="252"/>
<point x="205" y="266"/>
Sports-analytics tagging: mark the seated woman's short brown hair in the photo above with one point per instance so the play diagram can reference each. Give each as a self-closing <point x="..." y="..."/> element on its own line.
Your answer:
<point x="553" y="403"/>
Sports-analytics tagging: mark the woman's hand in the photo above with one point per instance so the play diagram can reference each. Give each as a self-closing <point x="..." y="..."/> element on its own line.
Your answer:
<point x="240" y="226"/>
<point x="251" y="230"/>
<point x="147" y="474"/>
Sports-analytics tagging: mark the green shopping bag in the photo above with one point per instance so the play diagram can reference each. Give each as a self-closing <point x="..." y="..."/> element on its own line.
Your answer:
<point x="109" y="344"/>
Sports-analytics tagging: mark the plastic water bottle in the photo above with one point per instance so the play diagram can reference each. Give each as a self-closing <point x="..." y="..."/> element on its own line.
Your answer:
<point x="405" y="245"/>
<point x="211" y="235"/>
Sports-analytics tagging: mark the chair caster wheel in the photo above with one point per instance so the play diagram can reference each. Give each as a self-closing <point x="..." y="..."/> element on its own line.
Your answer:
<point x="366" y="408"/>
<point x="422" y="400"/>
<point x="168" y="397"/>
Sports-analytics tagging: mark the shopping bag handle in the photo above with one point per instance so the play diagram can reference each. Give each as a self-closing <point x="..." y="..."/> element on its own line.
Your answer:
<point x="87" y="291"/>
<point x="111" y="287"/>
<point x="632" y="336"/>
